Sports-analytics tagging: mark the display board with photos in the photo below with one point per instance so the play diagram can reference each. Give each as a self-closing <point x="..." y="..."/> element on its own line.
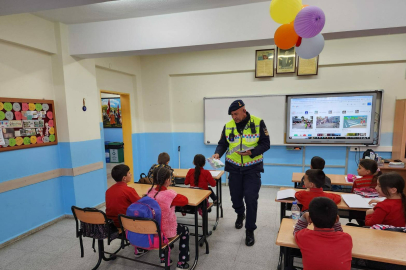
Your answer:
<point x="26" y="123"/>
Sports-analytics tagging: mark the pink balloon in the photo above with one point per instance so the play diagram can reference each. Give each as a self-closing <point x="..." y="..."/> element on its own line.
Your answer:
<point x="309" y="22"/>
<point x="50" y="115"/>
<point x="51" y="123"/>
<point x="39" y="140"/>
<point x="18" y="115"/>
<point x="25" y="106"/>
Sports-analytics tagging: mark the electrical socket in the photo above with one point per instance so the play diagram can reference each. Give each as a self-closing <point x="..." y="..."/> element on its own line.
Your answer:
<point x="356" y="149"/>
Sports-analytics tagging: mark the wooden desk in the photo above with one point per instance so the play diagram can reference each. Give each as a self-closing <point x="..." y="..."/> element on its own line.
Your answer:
<point x="401" y="171"/>
<point x="181" y="173"/>
<point x="367" y="243"/>
<point x="336" y="179"/>
<point x="196" y="198"/>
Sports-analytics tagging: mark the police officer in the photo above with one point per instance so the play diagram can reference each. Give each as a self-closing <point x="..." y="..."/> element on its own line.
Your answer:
<point x="249" y="133"/>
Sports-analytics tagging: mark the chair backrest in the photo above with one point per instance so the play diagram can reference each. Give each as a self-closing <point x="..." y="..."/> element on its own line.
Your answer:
<point x="89" y="215"/>
<point x="139" y="225"/>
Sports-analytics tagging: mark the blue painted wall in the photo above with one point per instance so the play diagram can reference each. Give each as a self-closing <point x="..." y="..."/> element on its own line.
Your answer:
<point x="113" y="134"/>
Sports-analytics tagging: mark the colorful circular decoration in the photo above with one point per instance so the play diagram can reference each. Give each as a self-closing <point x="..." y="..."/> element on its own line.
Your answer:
<point x="31" y="106"/>
<point x="51" y="130"/>
<point x="38" y="107"/>
<point x="52" y="138"/>
<point x="51" y="123"/>
<point x="45" y="107"/>
<point x="27" y="140"/>
<point x="1" y="106"/>
<point x="16" y="107"/>
<point x="33" y="139"/>
<point x="12" y="142"/>
<point x="39" y="139"/>
<point x="50" y="115"/>
<point x="18" y="141"/>
<point x="7" y="106"/>
<point x="6" y="143"/>
<point x="25" y="106"/>
<point x="18" y="115"/>
<point x="9" y="115"/>
<point x="2" y="115"/>
<point x="45" y="139"/>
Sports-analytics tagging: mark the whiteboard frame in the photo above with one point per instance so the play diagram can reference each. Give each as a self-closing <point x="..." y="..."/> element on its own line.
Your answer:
<point x="382" y="91"/>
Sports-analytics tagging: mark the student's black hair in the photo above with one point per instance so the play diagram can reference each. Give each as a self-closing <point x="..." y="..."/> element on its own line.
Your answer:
<point x="160" y="175"/>
<point x="317" y="177"/>
<point x="199" y="162"/>
<point x="393" y="180"/>
<point x="317" y="163"/>
<point x="323" y="212"/>
<point x="371" y="165"/>
<point x="119" y="171"/>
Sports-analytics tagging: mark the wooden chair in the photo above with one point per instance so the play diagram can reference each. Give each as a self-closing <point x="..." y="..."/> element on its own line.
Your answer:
<point x="145" y="226"/>
<point x="95" y="224"/>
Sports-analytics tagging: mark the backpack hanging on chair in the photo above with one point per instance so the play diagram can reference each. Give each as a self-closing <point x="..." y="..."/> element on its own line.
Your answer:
<point x="144" y="179"/>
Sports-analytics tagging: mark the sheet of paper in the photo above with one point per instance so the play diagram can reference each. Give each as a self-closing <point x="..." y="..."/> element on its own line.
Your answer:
<point x="215" y="173"/>
<point x="2" y="142"/>
<point x="286" y="193"/>
<point x="346" y="180"/>
<point x="356" y="201"/>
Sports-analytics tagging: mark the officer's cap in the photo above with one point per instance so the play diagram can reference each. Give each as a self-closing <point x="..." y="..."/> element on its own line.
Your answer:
<point x="235" y="106"/>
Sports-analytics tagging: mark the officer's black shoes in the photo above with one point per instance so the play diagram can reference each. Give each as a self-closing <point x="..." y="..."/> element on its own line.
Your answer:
<point x="249" y="239"/>
<point x="239" y="221"/>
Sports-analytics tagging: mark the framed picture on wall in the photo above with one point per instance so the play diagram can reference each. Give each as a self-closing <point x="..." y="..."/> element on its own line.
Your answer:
<point x="264" y="63"/>
<point x="286" y="61"/>
<point x="111" y="112"/>
<point x="306" y="67"/>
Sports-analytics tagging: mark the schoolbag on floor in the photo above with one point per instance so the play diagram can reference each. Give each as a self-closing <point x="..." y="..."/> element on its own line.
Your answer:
<point x="146" y="207"/>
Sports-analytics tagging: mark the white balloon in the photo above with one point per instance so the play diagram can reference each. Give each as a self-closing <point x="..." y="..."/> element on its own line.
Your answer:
<point x="310" y="47"/>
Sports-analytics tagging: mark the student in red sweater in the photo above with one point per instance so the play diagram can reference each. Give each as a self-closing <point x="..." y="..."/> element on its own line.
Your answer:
<point x="314" y="181"/>
<point x="199" y="177"/>
<point x="119" y="196"/>
<point x="326" y="246"/>
<point x="391" y="211"/>
<point x="369" y="171"/>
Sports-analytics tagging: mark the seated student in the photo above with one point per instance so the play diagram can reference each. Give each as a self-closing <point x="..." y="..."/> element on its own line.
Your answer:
<point x="391" y="211"/>
<point x="119" y="196"/>
<point x="163" y="161"/>
<point x="326" y="246"/>
<point x="318" y="163"/>
<point x="369" y="171"/>
<point x="199" y="177"/>
<point x="167" y="200"/>
<point x="314" y="180"/>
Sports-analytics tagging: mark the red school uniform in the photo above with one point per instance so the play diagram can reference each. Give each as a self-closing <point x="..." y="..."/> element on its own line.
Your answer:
<point x="363" y="182"/>
<point x="305" y="197"/>
<point x="388" y="212"/>
<point x="205" y="179"/>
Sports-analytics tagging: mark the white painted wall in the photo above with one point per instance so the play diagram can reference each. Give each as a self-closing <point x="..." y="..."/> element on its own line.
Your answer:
<point x="177" y="83"/>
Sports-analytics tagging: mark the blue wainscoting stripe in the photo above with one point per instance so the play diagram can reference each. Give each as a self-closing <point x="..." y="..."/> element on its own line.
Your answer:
<point x="113" y="134"/>
<point x="78" y="154"/>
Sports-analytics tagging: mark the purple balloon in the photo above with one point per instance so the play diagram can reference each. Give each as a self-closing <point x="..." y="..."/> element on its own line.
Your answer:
<point x="309" y="22"/>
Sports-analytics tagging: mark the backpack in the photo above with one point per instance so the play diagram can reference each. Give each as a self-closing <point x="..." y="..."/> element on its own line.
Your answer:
<point x="146" y="207"/>
<point x="144" y="179"/>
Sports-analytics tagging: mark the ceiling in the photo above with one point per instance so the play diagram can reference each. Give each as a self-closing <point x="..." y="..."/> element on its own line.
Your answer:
<point x="124" y="9"/>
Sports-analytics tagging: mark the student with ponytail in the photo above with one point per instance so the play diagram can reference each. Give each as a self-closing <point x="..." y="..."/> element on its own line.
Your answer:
<point x="369" y="171"/>
<point x="167" y="200"/>
<point x="391" y="211"/>
<point x="199" y="177"/>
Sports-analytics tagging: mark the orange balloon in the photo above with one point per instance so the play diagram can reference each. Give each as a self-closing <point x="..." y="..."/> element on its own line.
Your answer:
<point x="304" y="6"/>
<point x="285" y="36"/>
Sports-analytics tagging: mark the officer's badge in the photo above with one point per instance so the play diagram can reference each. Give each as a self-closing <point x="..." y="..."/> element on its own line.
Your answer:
<point x="266" y="132"/>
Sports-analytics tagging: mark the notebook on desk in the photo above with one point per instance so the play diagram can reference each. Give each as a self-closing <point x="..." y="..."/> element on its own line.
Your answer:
<point x="286" y="194"/>
<point x="356" y="201"/>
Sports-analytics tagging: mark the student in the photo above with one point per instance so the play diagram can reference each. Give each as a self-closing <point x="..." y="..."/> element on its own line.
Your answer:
<point x="163" y="161"/>
<point x="369" y="171"/>
<point x="199" y="177"/>
<point x="314" y="180"/>
<point x="391" y="211"/>
<point x="119" y="196"/>
<point x="167" y="200"/>
<point x="326" y="246"/>
<point x="318" y="163"/>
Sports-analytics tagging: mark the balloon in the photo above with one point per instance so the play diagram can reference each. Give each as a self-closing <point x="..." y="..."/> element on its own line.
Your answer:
<point x="310" y="47"/>
<point x="285" y="36"/>
<point x="304" y="6"/>
<point x="299" y="42"/>
<point x="284" y="11"/>
<point x="309" y="22"/>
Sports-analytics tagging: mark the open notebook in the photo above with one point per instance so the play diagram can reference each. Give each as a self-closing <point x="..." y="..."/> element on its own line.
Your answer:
<point x="356" y="201"/>
<point x="215" y="173"/>
<point x="286" y="194"/>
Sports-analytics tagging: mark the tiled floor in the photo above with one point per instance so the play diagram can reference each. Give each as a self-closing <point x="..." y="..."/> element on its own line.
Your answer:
<point x="57" y="248"/>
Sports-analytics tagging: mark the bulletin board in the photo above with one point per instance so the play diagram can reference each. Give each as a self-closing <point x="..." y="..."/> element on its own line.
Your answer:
<point x="26" y="123"/>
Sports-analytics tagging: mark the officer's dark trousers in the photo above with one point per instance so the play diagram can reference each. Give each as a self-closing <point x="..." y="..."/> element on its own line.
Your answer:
<point x="245" y="187"/>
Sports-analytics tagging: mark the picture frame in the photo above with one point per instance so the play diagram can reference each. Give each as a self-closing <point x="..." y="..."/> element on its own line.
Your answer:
<point x="111" y="112"/>
<point x="286" y="60"/>
<point x="307" y="67"/>
<point x="264" y="63"/>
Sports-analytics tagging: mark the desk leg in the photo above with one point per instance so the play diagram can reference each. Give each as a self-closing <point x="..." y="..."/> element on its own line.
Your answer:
<point x="283" y="210"/>
<point x="205" y="227"/>
<point x="221" y="198"/>
<point x="196" y="240"/>
<point x="219" y="204"/>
